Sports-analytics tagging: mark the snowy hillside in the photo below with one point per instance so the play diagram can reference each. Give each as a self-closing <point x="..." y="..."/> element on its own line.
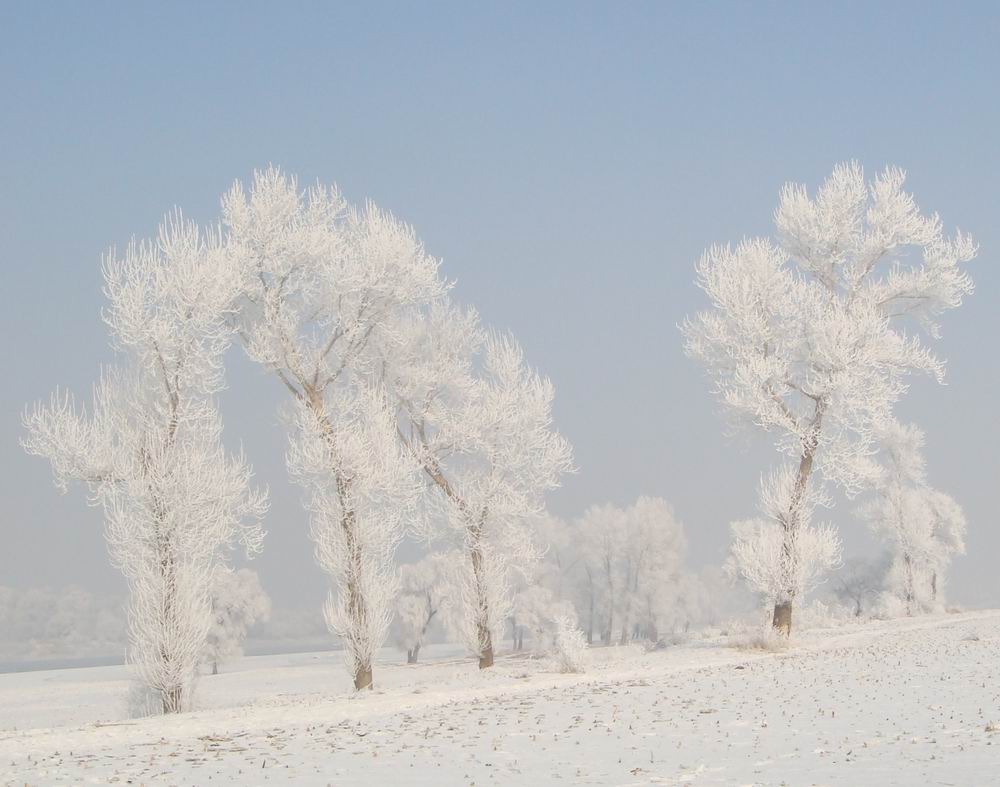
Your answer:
<point x="912" y="701"/>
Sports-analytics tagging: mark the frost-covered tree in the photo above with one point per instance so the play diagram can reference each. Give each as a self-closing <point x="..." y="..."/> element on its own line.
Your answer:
<point x="859" y="582"/>
<point x="534" y="611"/>
<point x="777" y="562"/>
<point x="631" y="573"/>
<point x="238" y="602"/>
<point x="540" y="612"/>
<point x="924" y="528"/>
<point x="807" y="337"/>
<point x="362" y="493"/>
<point x="323" y="287"/>
<point x="478" y="421"/>
<point x="948" y="526"/>
<point x="552" y="586"/>
<point x="425" y="590"/>
<point x="651" y="568"/>
<point x="569" y="646"/>
<point x="150" y="449"/>
<point x="562" y="557"/>
<point x="601" y="534"/>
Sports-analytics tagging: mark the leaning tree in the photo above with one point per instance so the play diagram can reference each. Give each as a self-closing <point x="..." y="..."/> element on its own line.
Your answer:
<point x="812" y="336"/>
<point x="478" y="421"/>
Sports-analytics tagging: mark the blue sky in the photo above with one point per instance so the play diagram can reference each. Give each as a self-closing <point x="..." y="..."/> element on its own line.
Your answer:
<point x="568" y="161"/>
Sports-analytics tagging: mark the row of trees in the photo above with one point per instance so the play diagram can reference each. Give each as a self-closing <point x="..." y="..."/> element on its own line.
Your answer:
<point x="812" y="337"/>
<point x="618" y="571"/>
<point x="405" y="415"/>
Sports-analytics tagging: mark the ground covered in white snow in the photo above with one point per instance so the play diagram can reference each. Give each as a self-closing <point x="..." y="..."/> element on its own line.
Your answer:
<point x="901" y="702"/>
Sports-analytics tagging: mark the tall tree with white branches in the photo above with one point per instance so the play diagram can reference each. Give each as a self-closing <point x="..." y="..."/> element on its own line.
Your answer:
<point x="323" y="287"/>
<point x="150" y="450"/>
<point x="807" y="337"/>
<point x="478" y="421"/>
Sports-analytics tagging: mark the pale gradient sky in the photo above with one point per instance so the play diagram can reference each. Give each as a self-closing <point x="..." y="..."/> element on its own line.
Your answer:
<point x="568" y="161"/>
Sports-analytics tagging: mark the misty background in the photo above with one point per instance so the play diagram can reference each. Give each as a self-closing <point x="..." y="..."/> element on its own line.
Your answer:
<point x="569" y="162"/>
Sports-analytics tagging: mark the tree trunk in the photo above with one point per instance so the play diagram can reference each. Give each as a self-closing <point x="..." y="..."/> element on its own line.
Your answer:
<point x="363" y="678"/>
<point x="486" y="657"/>
<point x="783" y="618"/>
<point x="411" y="655"/>
<point x="793" y="521"/>
<point x="483" y="633"/>
<point x="590" y="619"/>
<point x="910" y="592"/>
<point x="215" y="668"/>
<point x="474" y="528"/>
<point x="171" y="699"/>
<point x="357" y="605"/>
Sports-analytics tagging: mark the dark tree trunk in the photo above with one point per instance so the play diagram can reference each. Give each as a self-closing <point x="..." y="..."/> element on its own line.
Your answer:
<point x="412" y="654"/>
<point x="910" y="593"/>
<point x="363" y="678"/>
<point x="783" y="618"/>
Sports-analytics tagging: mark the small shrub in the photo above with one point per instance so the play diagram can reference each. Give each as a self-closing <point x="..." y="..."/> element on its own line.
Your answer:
<point x="569" y="646"/>
<point x="766" y="638"/>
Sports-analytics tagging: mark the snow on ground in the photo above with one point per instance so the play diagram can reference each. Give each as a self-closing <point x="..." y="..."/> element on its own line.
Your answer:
<point x="901" y="702"/>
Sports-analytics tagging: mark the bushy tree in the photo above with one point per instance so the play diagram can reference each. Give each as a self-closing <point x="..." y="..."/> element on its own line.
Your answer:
<point x="569" y="646"/>
<point x="238" y="602"/>
<point x="809" y="337"/>
<point x="150" y="449"/>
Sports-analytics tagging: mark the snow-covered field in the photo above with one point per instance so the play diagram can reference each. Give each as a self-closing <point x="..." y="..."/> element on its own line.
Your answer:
<point x="901" y="702"/>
